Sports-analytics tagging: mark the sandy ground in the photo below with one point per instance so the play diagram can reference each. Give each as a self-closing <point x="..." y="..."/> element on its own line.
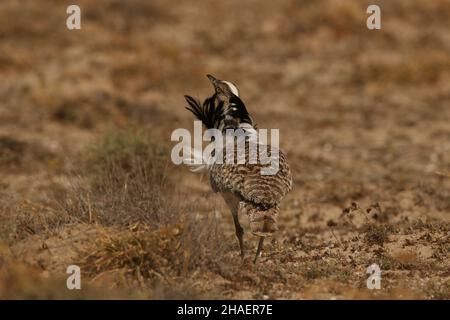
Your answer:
<point x="364" y="118"/>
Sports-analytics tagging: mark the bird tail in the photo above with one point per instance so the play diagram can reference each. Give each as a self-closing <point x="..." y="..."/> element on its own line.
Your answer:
<point x="263" y="222"/>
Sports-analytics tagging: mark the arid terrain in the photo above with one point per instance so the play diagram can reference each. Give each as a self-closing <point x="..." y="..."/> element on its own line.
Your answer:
<point x="85" y="171"/>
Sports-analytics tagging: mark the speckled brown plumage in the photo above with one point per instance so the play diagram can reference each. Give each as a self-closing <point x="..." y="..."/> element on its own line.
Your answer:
<point x="260" y="195"/>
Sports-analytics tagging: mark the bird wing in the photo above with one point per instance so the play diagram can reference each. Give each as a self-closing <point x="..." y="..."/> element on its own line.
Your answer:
<point x="246" y="180"/>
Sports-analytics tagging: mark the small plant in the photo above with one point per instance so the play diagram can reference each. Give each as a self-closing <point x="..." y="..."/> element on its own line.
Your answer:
<point x="376" y="234"/>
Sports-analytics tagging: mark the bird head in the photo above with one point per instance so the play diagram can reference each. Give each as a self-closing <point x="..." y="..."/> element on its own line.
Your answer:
<point x="233" y="113"/>
<point x="224" y="89"/>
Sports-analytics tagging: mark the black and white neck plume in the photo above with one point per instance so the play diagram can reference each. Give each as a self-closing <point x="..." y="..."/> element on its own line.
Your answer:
<point x="224" y="111"/>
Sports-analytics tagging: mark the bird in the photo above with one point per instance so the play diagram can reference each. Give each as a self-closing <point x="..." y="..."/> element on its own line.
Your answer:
<point x="244" y="188"/>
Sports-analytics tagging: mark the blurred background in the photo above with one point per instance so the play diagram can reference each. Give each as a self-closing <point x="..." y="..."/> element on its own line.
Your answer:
<point x="85" y="123"/>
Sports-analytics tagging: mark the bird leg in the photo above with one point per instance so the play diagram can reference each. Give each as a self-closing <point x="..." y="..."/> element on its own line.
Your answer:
<point x="239" y="231"/>
<point x="258" y="251"/>
<point x="233" y="204"/>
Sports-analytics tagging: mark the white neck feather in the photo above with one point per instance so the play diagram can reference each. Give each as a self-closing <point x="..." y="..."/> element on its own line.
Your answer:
<point x="232" y="87"/>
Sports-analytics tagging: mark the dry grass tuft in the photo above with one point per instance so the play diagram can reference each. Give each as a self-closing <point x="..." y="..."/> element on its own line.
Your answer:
<point x="34" y="219"/>
<point x="122" y="156"/>
<point x="124" y="179"/>
<point x="376" y="234"/>
<point x="152" y="258"/>
<point x="141" y="254"/>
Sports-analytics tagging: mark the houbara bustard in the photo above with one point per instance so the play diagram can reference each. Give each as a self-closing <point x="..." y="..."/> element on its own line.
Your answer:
<point x="241" y="182"/>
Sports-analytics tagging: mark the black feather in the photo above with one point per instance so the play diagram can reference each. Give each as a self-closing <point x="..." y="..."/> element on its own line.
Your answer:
<point x="195" y="108"/>
<point x="208" y="113"/>
<point x="240" y="110"/>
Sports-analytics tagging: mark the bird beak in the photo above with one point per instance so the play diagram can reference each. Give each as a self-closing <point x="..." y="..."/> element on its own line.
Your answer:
<point x="215" y="82"/>
<point x="211" y="78"/>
